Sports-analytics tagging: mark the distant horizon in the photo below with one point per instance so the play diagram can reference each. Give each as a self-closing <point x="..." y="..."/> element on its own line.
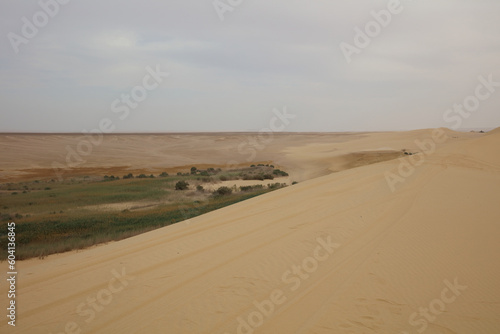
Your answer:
<point x="486" y="129"/>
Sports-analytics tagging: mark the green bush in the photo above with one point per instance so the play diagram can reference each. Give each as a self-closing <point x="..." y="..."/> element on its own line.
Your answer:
<point x="223" y="191"/>
<point x="181" y="185"/>
<point x="279" y="172"/>
<point x="164" y="174"/>
<point x="200" y="188"/>
<point x="250" y="188"/>
<point x="276" y="185"/>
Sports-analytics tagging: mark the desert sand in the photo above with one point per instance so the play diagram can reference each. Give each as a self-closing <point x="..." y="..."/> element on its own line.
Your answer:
<point x="343" y="251"/>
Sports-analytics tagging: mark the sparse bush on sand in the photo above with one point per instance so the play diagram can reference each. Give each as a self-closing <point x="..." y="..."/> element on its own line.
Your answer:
<point x="223" y="191"/>
<point x="181" y="185"/>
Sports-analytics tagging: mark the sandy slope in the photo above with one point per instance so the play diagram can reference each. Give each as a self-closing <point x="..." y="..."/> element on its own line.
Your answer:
<point x="371" y="259"/>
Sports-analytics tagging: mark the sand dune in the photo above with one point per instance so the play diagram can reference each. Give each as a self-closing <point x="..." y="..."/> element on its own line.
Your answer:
<point x="339" y="253"/>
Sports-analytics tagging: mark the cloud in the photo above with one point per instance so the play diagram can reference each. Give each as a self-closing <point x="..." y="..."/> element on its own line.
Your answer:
<point x="228" y="75"/>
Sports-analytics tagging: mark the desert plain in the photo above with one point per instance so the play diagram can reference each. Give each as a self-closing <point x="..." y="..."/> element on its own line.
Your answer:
<point x="385" y="232"/>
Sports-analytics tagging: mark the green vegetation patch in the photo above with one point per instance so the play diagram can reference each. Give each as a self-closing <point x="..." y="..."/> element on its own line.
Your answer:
<point x="54" y="217"/>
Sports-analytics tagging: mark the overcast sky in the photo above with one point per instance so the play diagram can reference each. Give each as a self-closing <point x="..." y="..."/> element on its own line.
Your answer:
<point x="229" y="75"/>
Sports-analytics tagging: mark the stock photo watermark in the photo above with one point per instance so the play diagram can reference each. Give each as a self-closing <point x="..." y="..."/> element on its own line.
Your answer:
<point x="436" y="307"/>
<point x="293" y="279"/>
<point x="223" y="6"/>
<point x="11" y="273"/>
<point x="254" y="144"/>
<point x="371" y="30"/>
<point x="249" y="148"/>
<point x="122" y="107"/>
<point x="97" y="302"/>
<point x="455" y="117"/>
<point x="31" y="27"/>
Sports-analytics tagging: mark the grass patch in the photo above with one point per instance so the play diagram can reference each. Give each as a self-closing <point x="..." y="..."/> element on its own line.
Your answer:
<point x="53" y="217"/>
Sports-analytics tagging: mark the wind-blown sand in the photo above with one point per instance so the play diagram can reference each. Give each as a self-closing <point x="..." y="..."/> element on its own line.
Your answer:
<point x="372" y="258"/>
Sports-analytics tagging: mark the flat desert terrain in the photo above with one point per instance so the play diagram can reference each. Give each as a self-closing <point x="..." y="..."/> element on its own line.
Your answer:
<point x="371" y="240"/>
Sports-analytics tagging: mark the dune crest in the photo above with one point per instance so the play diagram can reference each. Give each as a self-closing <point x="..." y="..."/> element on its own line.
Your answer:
<point x="494" y="132"/>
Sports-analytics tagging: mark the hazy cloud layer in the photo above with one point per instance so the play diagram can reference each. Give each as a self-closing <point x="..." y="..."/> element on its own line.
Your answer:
<point x="229" y="75"/>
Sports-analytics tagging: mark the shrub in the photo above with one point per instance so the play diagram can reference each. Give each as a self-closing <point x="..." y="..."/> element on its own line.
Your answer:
<point x="181" y="185"/>
<point x="223" y="191"/>
<point x="142" y="176"/>
<point x="128" y="176"/>
<point x="294" y="183"/>
<point x="200" y="188"/>
<point x="276" y="185"/>
<point x="268" y="177"/>
<point x="164" y="174"/>
<point x="223" y="178"/>
<point x="279" y="172"/>
<point x="204" y="173"/>
<point x="193" y="170"/>
<point x="250" y="188"/>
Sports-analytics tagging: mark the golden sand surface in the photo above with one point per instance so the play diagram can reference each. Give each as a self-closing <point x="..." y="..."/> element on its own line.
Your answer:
<point x="370" y="241"/>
